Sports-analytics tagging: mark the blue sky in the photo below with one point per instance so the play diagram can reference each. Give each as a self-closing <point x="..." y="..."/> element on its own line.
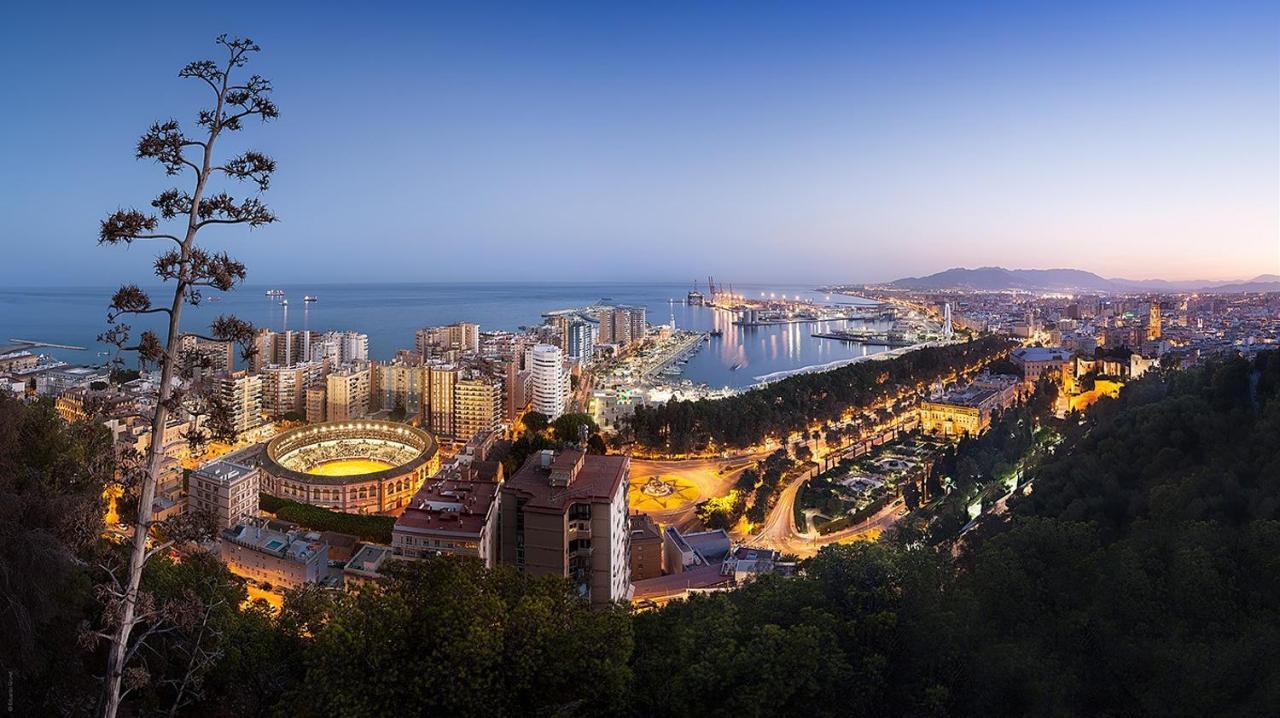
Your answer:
<point x="756" y="142"/>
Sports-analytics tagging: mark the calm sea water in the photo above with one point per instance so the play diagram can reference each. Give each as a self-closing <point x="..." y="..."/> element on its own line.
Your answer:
<point x="390" y="313"/>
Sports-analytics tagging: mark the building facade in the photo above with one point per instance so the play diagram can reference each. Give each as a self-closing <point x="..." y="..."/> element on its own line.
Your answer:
<point x="477" y="406"/>
<point x="276" y="553"/>
<point x="442" y="381"/>
<point x="226" y="491"/>
<point x="646" y="548"/>
<point x="348" y="393"/>
<point x="548" y="380"/>
<point x="284" y="388"/>
<point x="566" y="514"/>
<point x="1034" y="361"/>
<point x="241" y="393"/>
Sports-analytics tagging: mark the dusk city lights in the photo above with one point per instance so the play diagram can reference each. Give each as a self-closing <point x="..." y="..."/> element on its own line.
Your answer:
<point x="640" y="359"/>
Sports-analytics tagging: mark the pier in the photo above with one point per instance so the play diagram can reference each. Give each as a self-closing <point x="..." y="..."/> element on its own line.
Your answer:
<point x="684" y="347"/>
<point x="44" y="345"/>
<point x="877" y="338"/>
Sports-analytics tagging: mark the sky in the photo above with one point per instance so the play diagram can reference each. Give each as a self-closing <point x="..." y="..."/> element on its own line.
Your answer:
<point x="757" y="142"/>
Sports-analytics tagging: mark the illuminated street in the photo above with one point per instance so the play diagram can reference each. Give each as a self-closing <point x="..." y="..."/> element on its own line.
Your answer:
<point x="703" y="476"/>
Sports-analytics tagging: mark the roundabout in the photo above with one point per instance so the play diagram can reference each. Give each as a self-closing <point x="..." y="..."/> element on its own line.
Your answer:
<point x="668" y="492"/>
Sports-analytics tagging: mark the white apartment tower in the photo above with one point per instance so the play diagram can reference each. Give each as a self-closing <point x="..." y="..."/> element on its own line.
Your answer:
<point x="549" y="379"/>
<point x="341" y="348"/>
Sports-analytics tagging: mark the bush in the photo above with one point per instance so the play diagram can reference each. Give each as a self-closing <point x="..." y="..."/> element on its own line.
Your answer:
<point x="856" y="517"/>
<point x="367" y="526"/>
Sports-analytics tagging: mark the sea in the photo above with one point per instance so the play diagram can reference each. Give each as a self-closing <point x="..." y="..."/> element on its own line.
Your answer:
<point x="390" y="313"/>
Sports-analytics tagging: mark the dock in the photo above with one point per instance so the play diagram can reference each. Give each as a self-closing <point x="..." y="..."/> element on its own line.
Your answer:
<point x="44" y="345"/>
<point x="876" y="338"/>
<point x="686" y="347"/>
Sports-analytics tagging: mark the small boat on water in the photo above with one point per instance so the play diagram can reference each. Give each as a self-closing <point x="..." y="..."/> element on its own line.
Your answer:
<point x="275" y="292"/>
<point x="310" y="299"/>
<point x="736" y="367"/>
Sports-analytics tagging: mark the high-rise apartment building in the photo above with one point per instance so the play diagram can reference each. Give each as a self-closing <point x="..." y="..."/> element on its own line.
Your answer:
<point x="400" y="385"/>
<point x="203" y="357"/>
<point x="225" y="491"/>
<point x="548" y="378"/>
<point x="284" y="388"/>
<point x="441" y="381"/>
<point x="340" y="348"/>
<point x="241" y="394"/>
<point x="347" y="393"/>
<point x="281" y="348"/>
<point x="317" y="402"/>
<point x="621" y="325"/>
<point x="580" y="338"/>
<point x="565" y="514"/>
<point x="448" y="341"/>
<point x="477" y="405"/>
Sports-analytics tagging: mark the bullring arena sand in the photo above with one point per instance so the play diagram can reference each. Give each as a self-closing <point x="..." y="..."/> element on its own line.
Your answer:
<point x="348" y="467"/>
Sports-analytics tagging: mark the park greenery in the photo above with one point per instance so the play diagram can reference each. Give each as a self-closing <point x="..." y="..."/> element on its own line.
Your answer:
<point x="754" y="492"/>
<point x="836" y="507"/>
<point x="368" y="527"/>
<point x="796" y="403"/>
<point x="985" y="467"/>
<point x="540" y="433"/>
<point x="1139" y="576"/>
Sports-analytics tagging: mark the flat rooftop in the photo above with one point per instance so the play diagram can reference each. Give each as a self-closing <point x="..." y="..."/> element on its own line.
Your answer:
<point x="288" y="545"/>
<point x="1038" y="354"/>
<point x="223" y="472"/>
<point x="369" y="559"/>
<point x="449" y="506"/>
<point x="970" y="395"/>
<point x="598" y="479"/>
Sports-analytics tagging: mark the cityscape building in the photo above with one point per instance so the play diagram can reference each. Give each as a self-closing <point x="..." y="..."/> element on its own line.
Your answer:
<point x="348" y="393"/>
<point x="225" y="491"/>
<point x="240" y="393"/>
<point x="274" y="553"/>
<point x="548" y="380"/>
<point x="566" y="514"/>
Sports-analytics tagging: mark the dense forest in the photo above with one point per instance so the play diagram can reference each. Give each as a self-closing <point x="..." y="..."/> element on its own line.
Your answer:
<point x="794" y="404"/>
<point x="1140" y="575"/>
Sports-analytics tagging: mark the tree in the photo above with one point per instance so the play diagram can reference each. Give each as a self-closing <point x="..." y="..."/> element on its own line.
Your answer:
<point x="596" y="445"/>
<point x="532" y="647"/>
<point x="191" y="270"/>
<point x="398" y="413"/>
<point x="52" y="476"/>
<point x="535" y="421"/>
<point x="120" y="375"/>
<point x="568" y="427"/>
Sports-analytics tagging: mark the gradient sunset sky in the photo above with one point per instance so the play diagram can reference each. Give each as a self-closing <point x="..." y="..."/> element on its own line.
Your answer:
<point x="799" y="142"/>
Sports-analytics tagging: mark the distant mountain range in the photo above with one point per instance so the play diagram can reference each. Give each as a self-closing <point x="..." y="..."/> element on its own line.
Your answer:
<point x="1050" y="280"/>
